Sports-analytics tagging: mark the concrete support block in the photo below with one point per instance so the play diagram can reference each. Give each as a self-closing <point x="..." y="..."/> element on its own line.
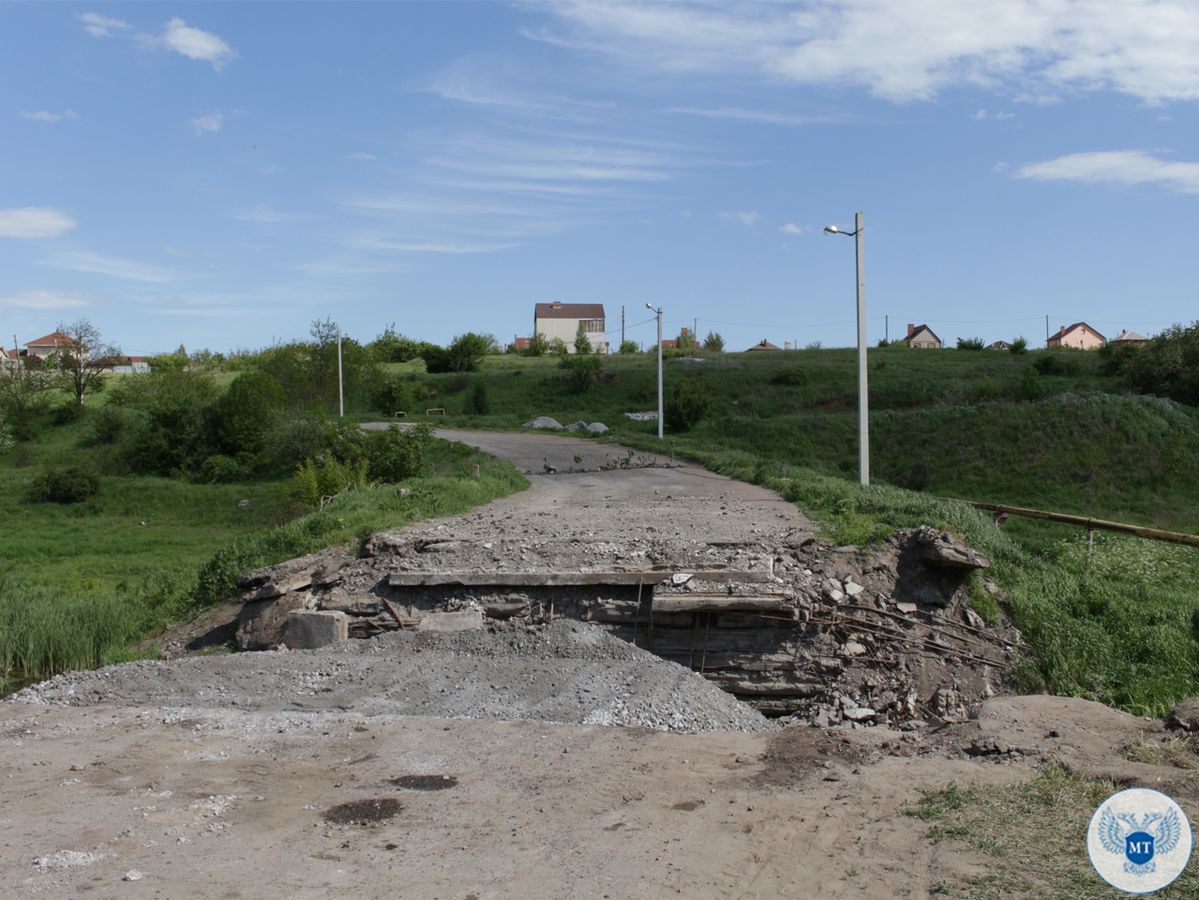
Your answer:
<point x="463" y="620"/>
<point x="311" y="629"/>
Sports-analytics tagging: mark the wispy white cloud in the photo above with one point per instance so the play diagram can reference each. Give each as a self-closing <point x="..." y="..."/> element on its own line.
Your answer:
<point x="765" y="116"/>
<point x="34" y="222"/>
<point x="264" y="214"/>
<point x="793" y="229"/>
<point x="361" y="157"/>
<point x="209" y="123"/>
<point x="45" y="115"/>
<point x="982" y="115"/>
<point x="1124" y="168"/>
<point x="745" y="217"/>
<point x="43" y="300"/>
<point x="196" y="44"/>
<point x="97" y="264"/>
<point x="102" y="26"/>
<point x="375" y="242"/>
<point x="905" y="50"/>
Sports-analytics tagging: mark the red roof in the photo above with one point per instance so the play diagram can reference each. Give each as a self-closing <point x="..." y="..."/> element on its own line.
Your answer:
<point x="916" y="331"/>
<point x="55" y="339"/>
<point x="568" y="311"/>
<point x="763" y="345"/>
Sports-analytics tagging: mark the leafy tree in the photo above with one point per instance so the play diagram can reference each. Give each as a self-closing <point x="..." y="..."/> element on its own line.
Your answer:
<point x="5" y="435"/>
<point x="396" y="454"/>
<point x="171" y="434"/>
<point x="627" y="346"/>
<point x="714" y="343"/>
<point x="582" y="342"/>
<point x="242" y="415"/>
<point x="464" y="354"/>
<point x="84" y="359"/>
<point x="539" y="345"/>
<point x="393" y="347"/>
<point x="1168" y="365"/>
<point x="558" y="347"/>
<point x="685" y="342"/>
<point x="24" y="397"/>
<point x="1018" y="347"/>
<point x="970" y="343"/>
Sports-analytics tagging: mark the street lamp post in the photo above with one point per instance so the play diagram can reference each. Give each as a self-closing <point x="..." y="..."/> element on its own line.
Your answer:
<point x="650" y="307"/>
<point x="863" y="395"/>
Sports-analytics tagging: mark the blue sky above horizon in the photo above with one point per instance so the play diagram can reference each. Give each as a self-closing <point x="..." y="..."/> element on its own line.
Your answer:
<point x="221" y="175"/>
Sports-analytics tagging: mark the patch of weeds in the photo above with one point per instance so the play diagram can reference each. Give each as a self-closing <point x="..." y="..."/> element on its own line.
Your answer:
<point x="1032" y="834"/>
<point x="1176" y="752"/>
<point x="984" y="602"/>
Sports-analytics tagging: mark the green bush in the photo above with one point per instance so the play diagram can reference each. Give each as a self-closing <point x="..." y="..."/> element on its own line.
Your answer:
<point x="66" y="413"/>
<point x="107" y="425"/>
<point x="714" y="343"/>
<point x="478" y="402"/>
<point x="582" y="342"/>
<point x="582" y="371"/>
<point x="392" y="395"/>
<point x="221" y="469"/>
<point x="397" y="454"/>
<point x="1056" y="362"/>
<point x="793" y="377"/>
<point x="69" y="485"/>
<point x="305" y="487"/>
<point x="628" y="346"/>
<point x="1018" y="347"/>
<point x="1029" y="387"/>
<point x="241" y="417"/>
<point x="970" y="343"/>
<point x="684" y="405"/>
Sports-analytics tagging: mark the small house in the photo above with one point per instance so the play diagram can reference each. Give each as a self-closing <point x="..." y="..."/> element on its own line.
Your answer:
<point x="1080" y="336"/>
<point x="922" y="337"/>
<point x="50" y="345"/>
<point x="1127" y="338"/>
<point x="999" y="345"/>
<point x="564" y="321"/>
<point x="762" y="345"/>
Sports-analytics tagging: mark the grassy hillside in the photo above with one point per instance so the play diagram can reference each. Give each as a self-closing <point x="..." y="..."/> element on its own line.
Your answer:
<point x="1122" y="627"/>
<point x="80" y="584"/>
<point x="980" y="425"/>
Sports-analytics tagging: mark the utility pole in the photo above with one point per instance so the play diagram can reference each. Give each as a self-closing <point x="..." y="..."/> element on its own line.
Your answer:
<point x="1046" y="329"/>
<point x="886" y="329"/>
<point x="650" y="307"/>
<point x="341" y="403"/>
<point x="622" y="324"/>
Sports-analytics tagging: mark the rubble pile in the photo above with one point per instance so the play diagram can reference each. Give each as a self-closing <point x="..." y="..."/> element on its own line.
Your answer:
<point x="794" y="626"/>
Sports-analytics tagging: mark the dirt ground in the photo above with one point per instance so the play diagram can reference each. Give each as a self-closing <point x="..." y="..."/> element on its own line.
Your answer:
<point x="120" y="790"/>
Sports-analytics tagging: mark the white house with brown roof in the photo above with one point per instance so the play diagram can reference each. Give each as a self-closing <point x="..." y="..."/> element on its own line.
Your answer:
<point x="922" y="337"/>
<point x="1080" y="336"/>
<point x="47" y="346"/>
<point x="563" y="321"/>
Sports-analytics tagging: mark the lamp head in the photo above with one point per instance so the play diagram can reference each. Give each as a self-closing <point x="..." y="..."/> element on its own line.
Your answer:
<point x="650" y="307"/>
<point x="831" y="229"/>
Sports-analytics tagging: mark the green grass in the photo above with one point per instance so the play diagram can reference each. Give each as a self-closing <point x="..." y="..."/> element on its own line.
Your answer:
<point x="80" y="585"/>
<point x="1032" y="835"/>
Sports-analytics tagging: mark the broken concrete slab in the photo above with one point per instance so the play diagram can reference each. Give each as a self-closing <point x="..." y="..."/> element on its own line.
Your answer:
<point x="460" y="620"/>
<point x="263" y="623"/>
<point x="311" y="629"/>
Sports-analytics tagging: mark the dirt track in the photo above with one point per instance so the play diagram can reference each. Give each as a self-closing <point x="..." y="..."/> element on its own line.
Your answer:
<point x="215" y="800"/>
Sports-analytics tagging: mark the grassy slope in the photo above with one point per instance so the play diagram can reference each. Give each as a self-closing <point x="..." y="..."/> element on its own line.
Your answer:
<point x="80" y="584"/>
<point x="1121" y="629"/>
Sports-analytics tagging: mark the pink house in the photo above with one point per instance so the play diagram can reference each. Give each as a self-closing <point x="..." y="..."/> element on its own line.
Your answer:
<point x="1080" y="336"/>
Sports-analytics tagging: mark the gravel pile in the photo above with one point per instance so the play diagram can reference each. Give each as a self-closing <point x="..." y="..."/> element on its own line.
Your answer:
<point x="562" y="672"/>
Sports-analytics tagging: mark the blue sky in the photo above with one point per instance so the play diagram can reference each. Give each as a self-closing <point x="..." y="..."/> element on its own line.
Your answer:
<point x="220" y="175"/>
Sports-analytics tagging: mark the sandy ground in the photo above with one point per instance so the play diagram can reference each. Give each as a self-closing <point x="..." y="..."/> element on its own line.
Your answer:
<point x="134" y="794"/>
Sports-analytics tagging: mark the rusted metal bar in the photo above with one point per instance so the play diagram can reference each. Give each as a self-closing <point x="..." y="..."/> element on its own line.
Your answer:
<point x="1155" y="534"/>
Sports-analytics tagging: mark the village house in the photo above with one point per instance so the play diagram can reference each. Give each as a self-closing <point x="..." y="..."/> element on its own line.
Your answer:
<point x="563" y="321"/>
<point x="1080" y="336"/>
<point x="922" y="337"/>
<point x="45" y="347"/>
<point x="762" y="345"/>
<point x="1128" y="338"/>
<point x="999" y="345"/>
